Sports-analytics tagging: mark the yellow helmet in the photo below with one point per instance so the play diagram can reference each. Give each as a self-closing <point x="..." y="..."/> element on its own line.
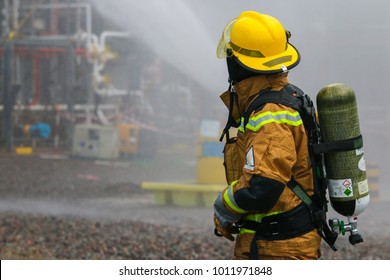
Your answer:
<point x="259" y="42"/>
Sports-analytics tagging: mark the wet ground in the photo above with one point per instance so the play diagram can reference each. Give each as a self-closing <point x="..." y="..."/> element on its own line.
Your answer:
<point x="56" y="207"/>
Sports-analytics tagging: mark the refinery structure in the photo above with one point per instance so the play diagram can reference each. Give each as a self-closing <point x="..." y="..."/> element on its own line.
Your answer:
<point x="71" y="80"/>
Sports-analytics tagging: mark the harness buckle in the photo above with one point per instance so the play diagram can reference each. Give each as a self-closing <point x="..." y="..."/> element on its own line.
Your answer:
<point x="274" y="228"/>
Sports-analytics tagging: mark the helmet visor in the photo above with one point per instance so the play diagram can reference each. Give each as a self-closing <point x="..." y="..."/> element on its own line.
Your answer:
<point x="224" y="43"/>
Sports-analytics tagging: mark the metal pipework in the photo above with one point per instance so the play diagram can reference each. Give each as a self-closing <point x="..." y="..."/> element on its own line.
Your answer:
<point x="85" y="6"/>
<point x="107" y="34"/>
<point x="15" y="12"/>
<point x="339" y="226"/>
<point x="99" y="64"/>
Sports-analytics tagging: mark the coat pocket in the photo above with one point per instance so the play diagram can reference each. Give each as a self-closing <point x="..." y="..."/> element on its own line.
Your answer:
<point x="231" y="164"/>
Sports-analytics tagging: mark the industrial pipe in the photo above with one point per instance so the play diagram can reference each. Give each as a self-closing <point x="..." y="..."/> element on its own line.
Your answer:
<point x="85" y="6"/>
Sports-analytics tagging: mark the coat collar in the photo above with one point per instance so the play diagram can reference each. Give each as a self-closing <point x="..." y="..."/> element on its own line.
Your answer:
<point x="249" y="88"/>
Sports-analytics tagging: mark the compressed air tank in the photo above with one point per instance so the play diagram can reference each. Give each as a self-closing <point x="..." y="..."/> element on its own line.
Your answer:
<point x="345" y="170"/>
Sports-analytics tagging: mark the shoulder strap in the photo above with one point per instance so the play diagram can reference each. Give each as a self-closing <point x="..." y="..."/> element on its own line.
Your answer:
<point x="300" y="192"/>
<point x="290" y="96"/>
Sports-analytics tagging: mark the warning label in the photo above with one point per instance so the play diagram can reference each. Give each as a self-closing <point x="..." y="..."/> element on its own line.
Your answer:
<point x="340" y="188"/>
<point x="363" y="187"/>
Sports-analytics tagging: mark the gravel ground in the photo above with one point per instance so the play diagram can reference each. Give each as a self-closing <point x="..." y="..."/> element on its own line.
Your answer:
<point x="64" y="208"/>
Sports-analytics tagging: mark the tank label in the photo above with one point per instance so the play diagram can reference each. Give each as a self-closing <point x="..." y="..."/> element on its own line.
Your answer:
<point x="363" y="187"/>
<point x="340" y="188"/>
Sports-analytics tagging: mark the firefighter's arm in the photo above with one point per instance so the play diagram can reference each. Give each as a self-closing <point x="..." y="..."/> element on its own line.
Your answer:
<point x="270" y="158"/>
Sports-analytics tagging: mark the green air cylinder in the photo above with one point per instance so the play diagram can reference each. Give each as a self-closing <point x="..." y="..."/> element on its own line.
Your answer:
<point x="345" y="170"/>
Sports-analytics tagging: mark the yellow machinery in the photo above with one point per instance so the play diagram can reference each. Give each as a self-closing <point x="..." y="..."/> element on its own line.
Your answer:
<point x="128" y="139"/>
<point x="210" y="154"/>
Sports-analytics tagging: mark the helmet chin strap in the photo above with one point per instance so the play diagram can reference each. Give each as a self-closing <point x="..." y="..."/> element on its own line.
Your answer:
<point x="231" y="122"/>
<point x="237" y="72"/>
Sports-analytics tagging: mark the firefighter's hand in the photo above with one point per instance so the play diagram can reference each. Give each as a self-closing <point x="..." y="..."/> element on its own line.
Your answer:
<point x="226" y="232"/>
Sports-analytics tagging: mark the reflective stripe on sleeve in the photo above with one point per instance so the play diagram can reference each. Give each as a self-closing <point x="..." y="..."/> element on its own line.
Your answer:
<point x="287" y="117"/>
<point x="228" y="197"/>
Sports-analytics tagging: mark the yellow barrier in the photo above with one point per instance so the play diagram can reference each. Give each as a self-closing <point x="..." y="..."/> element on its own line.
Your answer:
<point x="24" y="150"/>
<point x="184" y="194"/>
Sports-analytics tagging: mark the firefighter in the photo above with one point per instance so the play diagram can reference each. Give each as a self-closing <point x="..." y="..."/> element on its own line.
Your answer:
<point x="270" y="150"/>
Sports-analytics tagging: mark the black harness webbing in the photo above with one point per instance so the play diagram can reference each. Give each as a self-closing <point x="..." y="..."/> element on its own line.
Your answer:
<point x="318" y="214"/>
<point x="231" y="122"/>
<point x="283" y="226"/>
<point x="339" y="145"/>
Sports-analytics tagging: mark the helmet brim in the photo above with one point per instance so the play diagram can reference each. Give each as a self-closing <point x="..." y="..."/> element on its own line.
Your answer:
<point x="271" y="64"/>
